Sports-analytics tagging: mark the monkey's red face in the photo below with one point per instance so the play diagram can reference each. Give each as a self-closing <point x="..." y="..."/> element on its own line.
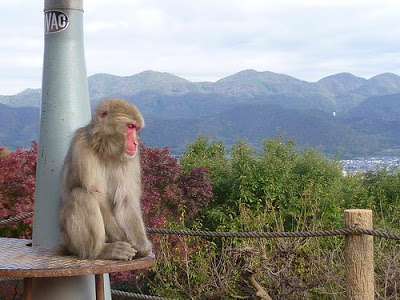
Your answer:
<point x="132" y="141"/>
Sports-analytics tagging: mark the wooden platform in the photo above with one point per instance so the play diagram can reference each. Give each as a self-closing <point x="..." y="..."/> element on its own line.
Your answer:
<point x="19" y="259"/>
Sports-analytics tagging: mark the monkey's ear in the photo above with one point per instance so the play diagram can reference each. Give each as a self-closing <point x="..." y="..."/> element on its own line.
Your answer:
<point x="102" y="114"/>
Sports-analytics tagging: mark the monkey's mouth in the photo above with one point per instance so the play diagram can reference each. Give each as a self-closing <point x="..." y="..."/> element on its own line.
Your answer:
<point x="132" y="144"/>
<point x="130" y="152"/>
<point x="131" y="149"/>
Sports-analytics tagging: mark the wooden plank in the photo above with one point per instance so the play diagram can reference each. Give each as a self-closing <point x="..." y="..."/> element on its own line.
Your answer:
<point x="19" y="260"/>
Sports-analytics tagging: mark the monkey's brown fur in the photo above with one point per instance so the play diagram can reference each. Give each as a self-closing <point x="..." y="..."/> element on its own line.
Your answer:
<point x="101" y="213"/>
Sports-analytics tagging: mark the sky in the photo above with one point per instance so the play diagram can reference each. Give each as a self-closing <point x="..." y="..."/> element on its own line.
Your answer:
<point x="207" y="40"/>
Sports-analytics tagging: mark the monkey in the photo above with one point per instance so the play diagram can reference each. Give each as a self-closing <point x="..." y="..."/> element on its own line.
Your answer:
<point x="100" y="187"/>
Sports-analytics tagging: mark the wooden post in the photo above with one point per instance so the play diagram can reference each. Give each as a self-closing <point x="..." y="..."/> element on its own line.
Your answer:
<point x="99" y="281"/>
<point x="27" y="288"/>
<point x="359" y="256"/>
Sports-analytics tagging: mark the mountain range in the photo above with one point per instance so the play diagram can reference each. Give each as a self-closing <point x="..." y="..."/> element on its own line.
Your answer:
<point x="341" y="114"/>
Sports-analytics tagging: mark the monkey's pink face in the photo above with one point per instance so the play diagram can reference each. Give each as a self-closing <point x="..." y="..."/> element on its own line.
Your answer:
<point x="132" y="141"/>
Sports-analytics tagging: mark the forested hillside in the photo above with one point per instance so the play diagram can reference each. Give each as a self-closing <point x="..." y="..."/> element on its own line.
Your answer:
<point x="340" y="115"/>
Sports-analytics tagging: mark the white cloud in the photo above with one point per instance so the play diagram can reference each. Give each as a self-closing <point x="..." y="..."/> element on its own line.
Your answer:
<point x="207" y="40"/>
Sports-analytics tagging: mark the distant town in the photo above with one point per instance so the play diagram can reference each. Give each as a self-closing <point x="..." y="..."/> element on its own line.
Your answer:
<point x="368" y="164"/>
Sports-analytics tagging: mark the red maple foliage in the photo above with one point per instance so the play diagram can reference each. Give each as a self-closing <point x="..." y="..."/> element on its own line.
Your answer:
<point x="17" y="189"/>
<point x="167" y="191"/>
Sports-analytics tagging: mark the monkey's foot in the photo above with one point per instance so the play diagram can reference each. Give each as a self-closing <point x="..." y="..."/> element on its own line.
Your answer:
<point x="118" y="250"/>
<point x="143" y="249"/>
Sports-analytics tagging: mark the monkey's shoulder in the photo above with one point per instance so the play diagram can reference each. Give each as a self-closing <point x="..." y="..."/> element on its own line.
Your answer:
<point x="80" y="143"/>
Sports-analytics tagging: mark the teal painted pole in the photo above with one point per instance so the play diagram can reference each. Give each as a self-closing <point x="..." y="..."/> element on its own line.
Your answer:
<point x="65" y="107"/>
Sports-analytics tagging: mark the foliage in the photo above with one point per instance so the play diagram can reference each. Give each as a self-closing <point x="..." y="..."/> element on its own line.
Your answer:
<point x="17" y="189"/>
<point x="197" y="269"/>
<point x="279" y="188"/>
<point x="4" y="152"/>
<point x="167" y="191"/>
<point x="213" y="156"/>
<point x="383" y="189"/>
<point x="301" y="185"/>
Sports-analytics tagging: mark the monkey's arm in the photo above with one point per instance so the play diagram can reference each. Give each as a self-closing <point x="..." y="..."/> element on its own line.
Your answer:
<point x="85" y="166"/>
<point x="135" y="230"/>
<point x="113" y="231"/>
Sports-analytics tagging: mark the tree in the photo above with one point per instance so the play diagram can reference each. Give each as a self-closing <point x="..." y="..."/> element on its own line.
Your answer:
<point x="167" y="191"/>
<point x="17" y="189"/>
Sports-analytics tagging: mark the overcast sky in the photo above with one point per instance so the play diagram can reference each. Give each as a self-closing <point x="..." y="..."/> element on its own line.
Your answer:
<point x="206" y="40"/>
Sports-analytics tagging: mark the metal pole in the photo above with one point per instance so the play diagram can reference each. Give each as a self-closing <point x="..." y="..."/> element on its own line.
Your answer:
<point x="65" y="107"/>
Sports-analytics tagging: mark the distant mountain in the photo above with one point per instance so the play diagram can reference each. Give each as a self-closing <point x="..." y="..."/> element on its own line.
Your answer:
<point x="29" y="97"/>
<point x="339" y="114"/>
<point x="378" y="116"/>
<point x="105" y="85"/>
<point x="377" y="108"/>
<point x="338" y="92"/>
<point x="341" y="84"/>
<point x="256" y="122"/>
<point x="187" y="106"/>
<point x="250" y="83"/>
<point x="380" y="85"/>
<point x="253" y="122"/>
<point x="18" y="126"/>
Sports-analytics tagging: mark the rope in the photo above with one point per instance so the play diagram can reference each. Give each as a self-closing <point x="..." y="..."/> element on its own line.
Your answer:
<point x="304" y="234"/>
<point x="16" y="219"/>
<point x="379" y="234"/>
<point x="2" y="279"/>
<point x="113" y="292"/>
<point x="253" y="234"/>
<point x="137" y="296"/>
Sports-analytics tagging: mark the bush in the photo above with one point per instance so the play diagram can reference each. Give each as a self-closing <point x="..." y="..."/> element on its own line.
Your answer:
<point x="167" y="191"/>
<point x="17" y="189"/>
<point x="299" y="185"/>
<point x="278" y="189"/>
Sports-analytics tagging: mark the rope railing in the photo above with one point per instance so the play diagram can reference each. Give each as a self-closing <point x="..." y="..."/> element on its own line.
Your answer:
<point x="16" y="219"/>
<point x="298" y="234"/>
<point x="305" y="234"/>
<point x="137" y="296"/>
<point x="113" y="292"/>
<point x="3" y="279"/>
<point x="290" y="234"/>
<point x="221" y="234"/>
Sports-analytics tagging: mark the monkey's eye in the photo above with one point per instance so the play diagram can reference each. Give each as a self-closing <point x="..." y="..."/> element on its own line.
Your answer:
<point x="132" y="126"/>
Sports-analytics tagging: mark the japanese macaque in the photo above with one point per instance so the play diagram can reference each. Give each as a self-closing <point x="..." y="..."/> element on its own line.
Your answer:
<point x="101" y="213"/>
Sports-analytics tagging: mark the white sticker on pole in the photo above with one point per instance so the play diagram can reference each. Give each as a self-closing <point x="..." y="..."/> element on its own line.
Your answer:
<point x="55" y="21"/>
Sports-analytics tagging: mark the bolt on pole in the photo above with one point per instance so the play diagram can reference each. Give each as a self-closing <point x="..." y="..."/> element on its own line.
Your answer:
<point x="65" y="107"/>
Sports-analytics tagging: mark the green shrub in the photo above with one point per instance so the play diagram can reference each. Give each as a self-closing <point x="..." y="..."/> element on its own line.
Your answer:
<point x="278" y="189"/>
